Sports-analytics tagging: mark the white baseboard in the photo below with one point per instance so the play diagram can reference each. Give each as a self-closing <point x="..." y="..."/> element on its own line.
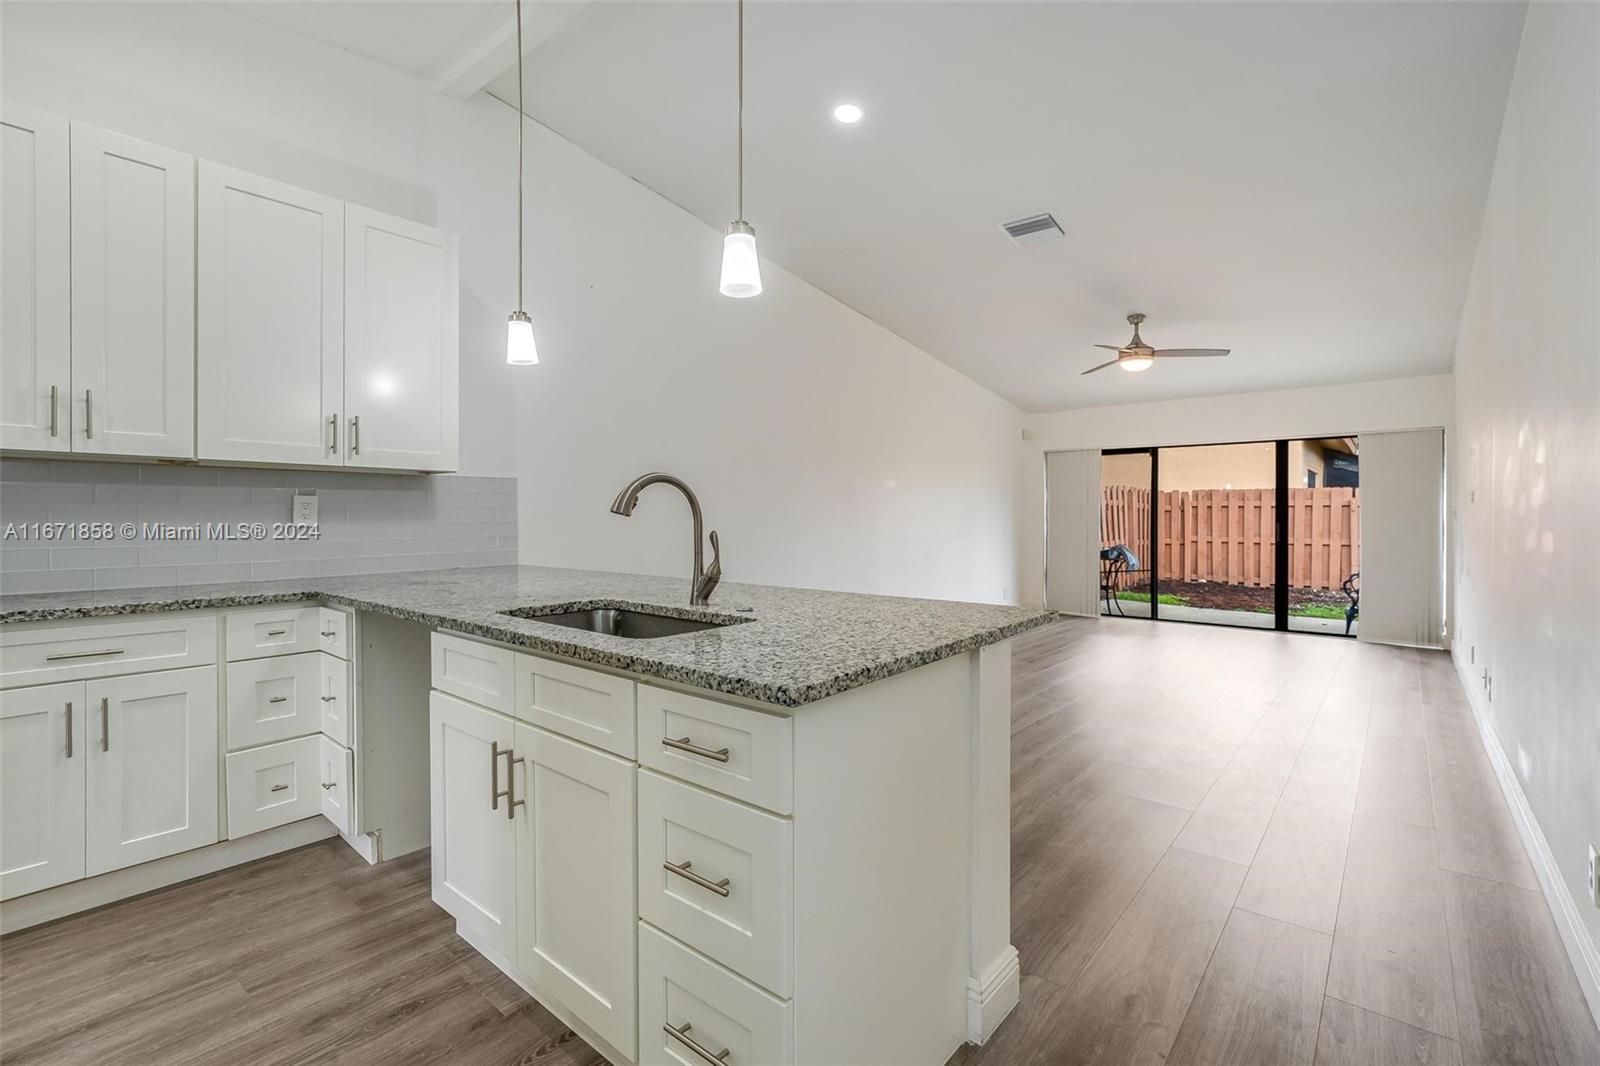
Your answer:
<point x="1564" y="907"/>
<point x="91" y="892"/>
<point x="994" y="996"/>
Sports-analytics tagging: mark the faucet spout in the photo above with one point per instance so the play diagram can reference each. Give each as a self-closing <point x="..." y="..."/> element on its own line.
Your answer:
<point x="704" y="581"/>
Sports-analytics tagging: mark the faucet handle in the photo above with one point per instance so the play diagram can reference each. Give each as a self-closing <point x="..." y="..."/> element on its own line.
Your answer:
<point x="707" y="581"/>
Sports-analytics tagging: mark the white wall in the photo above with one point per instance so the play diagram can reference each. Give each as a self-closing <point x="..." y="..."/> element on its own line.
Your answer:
<point x="827" y="451"/>
<point x="1330" y="411"/>
<point x="1527" y="447"/>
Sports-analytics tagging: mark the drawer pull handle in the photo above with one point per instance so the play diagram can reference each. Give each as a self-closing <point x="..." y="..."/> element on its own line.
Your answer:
<point x="279" y="699"/>
<point x="682" y="1034"/>
<point x="82" y="654"/>
<point x="682" y="744"/>
<point x="279" y="788"/>
<point x="683" y="871"/>
<point x="276" y="632"/>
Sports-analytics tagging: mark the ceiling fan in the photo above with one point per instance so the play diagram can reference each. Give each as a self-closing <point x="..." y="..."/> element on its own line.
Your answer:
<point x="1136" y="355"/>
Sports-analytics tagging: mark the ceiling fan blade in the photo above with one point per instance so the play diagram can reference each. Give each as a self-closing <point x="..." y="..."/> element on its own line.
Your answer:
<point x="1109" y="347"/>
<point x="1102" y="366"/>
<point x="1189" y="353"/>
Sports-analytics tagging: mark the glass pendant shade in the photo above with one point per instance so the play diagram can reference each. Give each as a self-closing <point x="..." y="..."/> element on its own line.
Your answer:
<point x="741" y="269"/>
<point x="520" y="348"/>
<point x="1133" y="364"/>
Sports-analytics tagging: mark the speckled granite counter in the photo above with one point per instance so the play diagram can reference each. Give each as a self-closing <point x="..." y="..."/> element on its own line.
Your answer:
<point x="790" y="646"/>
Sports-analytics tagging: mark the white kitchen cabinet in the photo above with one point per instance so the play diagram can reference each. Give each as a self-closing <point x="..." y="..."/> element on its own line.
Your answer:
<point x="338" y="774"/>
<point x="132" y="297"/>
<point x="270" y="353"/>
<point x="474" y="840"/>
<point x="575" y="877"/>
<point x="273" y="699"/>
<point x="337" y="722"/>
<point x="35" y="285"/>
<point x="274" y="785"/>
<point x="151" y="741"/>
<point x="42" y="760"/>
<point x="400" y="343"/>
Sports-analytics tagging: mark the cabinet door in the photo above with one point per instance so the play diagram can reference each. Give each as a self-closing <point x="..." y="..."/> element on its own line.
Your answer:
<point x="338" y="775"/>
<point x="35" y="308"/>
<point x="132" y="296"/>
<point x="270" y="319"/>
<point x="335" y="684"/>
<point x="152" y="746"/>
<point x="41" y="788"/>
<point x="400" y="340"/>
<point x="474" y="877"/>
<point x="575" y="877"/>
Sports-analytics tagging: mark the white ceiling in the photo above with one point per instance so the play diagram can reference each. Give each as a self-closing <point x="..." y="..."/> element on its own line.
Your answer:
<point x="1301" y="182"/>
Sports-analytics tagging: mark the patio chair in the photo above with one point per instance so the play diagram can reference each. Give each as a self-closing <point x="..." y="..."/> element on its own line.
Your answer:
<point x="1115" y="563"/>
<point x="1351" y="587"/>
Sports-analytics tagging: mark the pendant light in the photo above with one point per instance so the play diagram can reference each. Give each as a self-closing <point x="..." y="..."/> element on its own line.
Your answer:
<point x="741" y="270"/>
<point x="520" y="347"/>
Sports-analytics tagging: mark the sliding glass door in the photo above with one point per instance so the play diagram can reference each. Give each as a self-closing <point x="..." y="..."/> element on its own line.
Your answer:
<point x="1264" y="534"/>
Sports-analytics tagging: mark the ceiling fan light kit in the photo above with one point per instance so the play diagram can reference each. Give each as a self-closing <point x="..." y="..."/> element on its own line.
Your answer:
<point x="1136" y="356"/>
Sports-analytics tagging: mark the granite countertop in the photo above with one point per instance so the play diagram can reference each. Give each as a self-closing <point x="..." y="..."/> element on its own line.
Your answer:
<point x="789" y="646"/>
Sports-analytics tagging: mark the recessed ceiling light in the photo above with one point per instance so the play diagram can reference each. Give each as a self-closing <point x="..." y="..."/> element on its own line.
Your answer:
<point x="849" y="114"/>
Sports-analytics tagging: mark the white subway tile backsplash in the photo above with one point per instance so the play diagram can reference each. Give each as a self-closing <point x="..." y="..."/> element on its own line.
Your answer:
<point x="369" y="523"/>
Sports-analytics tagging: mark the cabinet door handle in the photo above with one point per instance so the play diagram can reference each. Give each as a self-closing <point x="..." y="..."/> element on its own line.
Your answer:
<point x="105" y="723"/>
<point x="682" y="869"/>
<point x="494" y="775"/>
<point x="333" y="434"/>
<point x="88" y="414"/>
<point x="330" y="633"/>
<point x="55" y="416"/>
<point x="69" y="729"/>
<point x="329" y="699"/>
<point x="327" y="785"/>
<point x="682" y="744"/>
<point x="81" y="654"/>
<point x="682" y="1034"/>
<point x="512" y="803"/>
<point x="279" y="788"/>
<point x="355" y="434"/>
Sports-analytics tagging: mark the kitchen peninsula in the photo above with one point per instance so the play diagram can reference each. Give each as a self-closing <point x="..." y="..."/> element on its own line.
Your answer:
<point x="773" y="829"/>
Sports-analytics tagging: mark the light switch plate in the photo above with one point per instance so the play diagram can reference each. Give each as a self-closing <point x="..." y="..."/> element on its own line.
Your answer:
<point x="305" y="509"/>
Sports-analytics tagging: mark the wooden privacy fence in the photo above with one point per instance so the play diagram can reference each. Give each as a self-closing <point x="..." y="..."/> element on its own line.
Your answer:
<point x="1226" y="535"/>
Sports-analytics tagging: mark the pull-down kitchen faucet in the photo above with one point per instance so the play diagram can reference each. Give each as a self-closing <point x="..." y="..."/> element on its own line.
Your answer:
<point x="705" y="579"/>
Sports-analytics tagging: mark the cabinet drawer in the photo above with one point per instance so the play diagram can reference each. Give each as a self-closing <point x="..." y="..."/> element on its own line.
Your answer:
<point x="274" y="785"/>
<point x="274" y="699"/>
<point x="585" y="705"/>
<point x="105" y="649"/>
<point x="728" y="1017"/>
<point x="481" y="673"/>
<point x="733" y="750"/>
<point x="338" y="786"/>
<point x="274" y="631"/>
<point x="334" y="697"/>
<point x="333" y="631"/>
<point x="718" y="876"/>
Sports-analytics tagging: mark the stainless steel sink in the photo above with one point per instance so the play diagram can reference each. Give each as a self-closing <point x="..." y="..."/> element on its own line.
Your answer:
<point x="621" y="622"/>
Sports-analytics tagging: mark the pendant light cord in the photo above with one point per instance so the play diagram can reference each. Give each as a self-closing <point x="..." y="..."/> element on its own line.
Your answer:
<point x="741" y="110"/>
<point x="519" y="153"/>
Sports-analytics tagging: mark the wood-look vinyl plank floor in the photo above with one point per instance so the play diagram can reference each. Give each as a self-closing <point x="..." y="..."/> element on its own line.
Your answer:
<point x="1195" y="810"/>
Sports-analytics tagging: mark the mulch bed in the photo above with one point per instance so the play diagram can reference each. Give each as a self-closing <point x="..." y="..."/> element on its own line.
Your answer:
<point x="1222" y="597"/>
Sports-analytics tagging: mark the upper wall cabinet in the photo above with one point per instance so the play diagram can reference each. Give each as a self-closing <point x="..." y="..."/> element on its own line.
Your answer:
<point x="132" y="297"/>
<point x="35" y="308"/>
<point x="400" y="340"/>
<point x="271" y="321"/>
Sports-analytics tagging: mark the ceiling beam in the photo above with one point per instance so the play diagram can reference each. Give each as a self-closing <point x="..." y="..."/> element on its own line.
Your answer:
<point x="496" y="52"/>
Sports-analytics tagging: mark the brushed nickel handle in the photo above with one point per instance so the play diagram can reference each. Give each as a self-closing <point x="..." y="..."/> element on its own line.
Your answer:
<point x="512" y="803"/>
<point x="82" y="654"/>
<point x="88" y="414"/>
<point x="355" y="435"/>
<point x="55" y="416"/>
<point x="327" y="785"/>
<point x="279" y="699"/>
<point x="329" y="633"/>
<point x="682" y="869"/>
<point x="682" y="1034"/>
<point x="494" y="775"/>
<point x="333" y="434"/>
<point x="105" y="723"/>
<point x="280" y="788"/>
<point x="69" y="729"/>
<point x="276" y="632"/>
<point x="682" y="744"/>
<point x="329" y="699"/>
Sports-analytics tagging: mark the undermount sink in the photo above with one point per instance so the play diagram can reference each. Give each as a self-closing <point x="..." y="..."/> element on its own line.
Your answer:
<point x="621" y="622"/>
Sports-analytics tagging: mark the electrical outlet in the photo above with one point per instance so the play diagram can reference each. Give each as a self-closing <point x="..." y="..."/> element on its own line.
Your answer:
<point x="305" y="508"/>
<point x="1594" y="876"/>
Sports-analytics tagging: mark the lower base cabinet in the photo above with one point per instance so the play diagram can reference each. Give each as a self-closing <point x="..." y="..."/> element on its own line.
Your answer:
<point x="273" y="785"/>
<point x="42" y="757"/>
<point x="534" y="856"/>
<point x="693" y="1012"/>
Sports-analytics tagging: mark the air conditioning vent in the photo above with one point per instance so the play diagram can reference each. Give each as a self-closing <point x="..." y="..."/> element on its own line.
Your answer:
<point x="1033" y="229"/>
